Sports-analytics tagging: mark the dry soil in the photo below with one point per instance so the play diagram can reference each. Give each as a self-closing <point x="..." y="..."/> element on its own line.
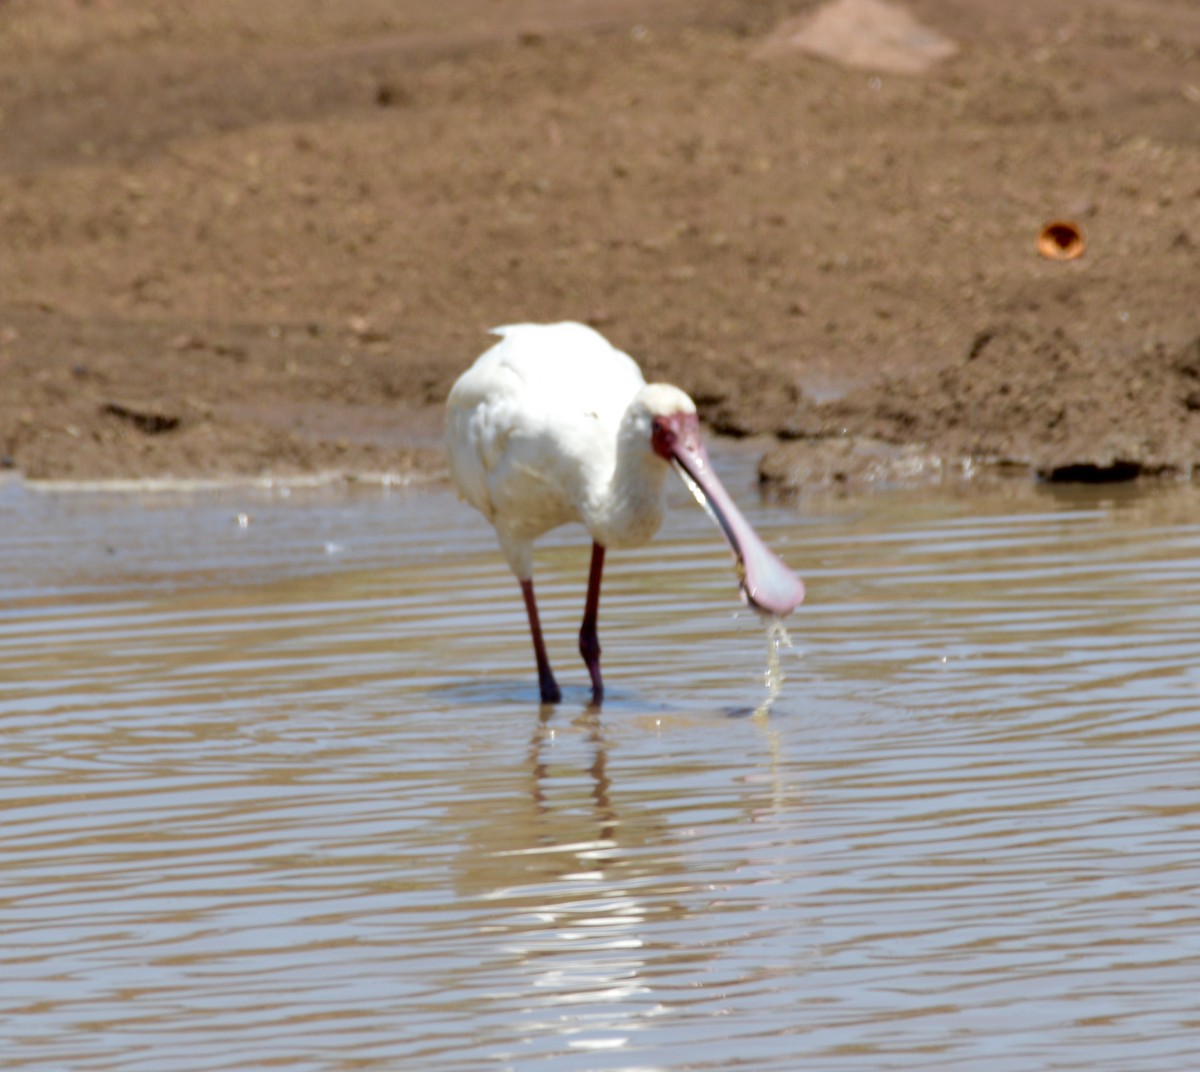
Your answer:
<point x="264" y="238"/>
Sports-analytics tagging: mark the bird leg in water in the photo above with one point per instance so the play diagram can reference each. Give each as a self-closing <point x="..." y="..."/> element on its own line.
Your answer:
<point x="589" y="642"/>
<point x="549" y="687"/>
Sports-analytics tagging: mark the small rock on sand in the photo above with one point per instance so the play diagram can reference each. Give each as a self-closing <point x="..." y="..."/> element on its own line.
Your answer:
<point x="862" y="33"/>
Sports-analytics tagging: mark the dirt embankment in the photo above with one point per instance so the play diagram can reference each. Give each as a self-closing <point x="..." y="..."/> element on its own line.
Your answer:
<point x="265" y="238"/>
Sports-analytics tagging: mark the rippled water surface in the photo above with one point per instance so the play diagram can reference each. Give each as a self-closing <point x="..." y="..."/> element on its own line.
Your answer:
<point x="277" y="791"/>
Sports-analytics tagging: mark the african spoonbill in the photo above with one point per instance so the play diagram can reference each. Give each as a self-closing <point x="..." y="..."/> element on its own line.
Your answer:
<point x="552" y="425"/>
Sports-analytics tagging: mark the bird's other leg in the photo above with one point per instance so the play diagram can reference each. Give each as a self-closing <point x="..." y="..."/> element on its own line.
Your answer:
<point x="589" y="642"/>
<point x="546" y="682"/>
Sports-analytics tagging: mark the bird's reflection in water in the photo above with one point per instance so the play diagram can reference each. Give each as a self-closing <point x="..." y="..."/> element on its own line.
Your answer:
<point x="543" y="734"/>
<point x="570" y="881"/>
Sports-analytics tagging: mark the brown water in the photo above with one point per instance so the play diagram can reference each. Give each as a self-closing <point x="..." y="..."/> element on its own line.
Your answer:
<point x="278" y="794"/>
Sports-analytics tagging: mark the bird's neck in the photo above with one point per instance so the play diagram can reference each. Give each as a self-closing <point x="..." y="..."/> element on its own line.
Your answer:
<point x="630" y="509"/>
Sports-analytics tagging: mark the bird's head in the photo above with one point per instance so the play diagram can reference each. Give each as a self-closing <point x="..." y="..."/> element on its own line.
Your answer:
<point x="663" y="417"/>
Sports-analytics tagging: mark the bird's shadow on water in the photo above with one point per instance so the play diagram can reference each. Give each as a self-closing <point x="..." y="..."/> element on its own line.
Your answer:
<point x="491" y="692"/>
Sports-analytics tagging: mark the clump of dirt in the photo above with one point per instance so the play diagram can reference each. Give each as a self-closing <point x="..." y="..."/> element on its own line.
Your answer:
<point x="126" y="400"/>
<point x="1017" y="399"/>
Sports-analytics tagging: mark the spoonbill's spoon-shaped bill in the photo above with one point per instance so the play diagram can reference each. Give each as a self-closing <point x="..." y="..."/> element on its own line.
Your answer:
<point x="767" y="584"/>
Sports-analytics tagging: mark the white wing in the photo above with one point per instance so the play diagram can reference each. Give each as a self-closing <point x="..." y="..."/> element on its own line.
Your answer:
<point x="531" y="425"/>
<point x="549" y="396"/>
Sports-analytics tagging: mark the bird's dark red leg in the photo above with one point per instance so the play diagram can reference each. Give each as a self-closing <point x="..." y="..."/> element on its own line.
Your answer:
<point x="546" y="682"/>
<point x="589" y="642"/>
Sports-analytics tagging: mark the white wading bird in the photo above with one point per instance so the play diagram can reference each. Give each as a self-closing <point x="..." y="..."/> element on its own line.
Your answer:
<point x="553" y="424"/>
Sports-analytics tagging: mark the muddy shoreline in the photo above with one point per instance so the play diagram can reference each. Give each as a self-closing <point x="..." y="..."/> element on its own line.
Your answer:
<point x="254" y="242"/>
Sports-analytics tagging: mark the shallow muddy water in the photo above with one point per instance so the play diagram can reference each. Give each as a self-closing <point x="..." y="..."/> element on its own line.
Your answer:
<point x="277" y="790"/>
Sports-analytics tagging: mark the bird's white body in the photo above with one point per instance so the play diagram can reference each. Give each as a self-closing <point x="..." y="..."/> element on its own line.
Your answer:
<point x="534" y="433"/>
